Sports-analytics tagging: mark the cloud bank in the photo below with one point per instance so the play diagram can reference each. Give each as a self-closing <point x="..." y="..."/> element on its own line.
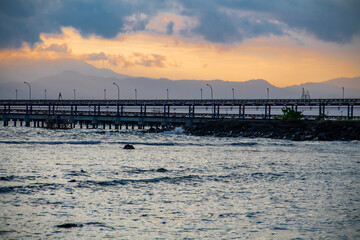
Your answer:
<point x="216" y="21"/>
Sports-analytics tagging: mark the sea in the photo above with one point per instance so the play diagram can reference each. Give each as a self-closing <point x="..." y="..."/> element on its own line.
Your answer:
<point x="82" y="184"/>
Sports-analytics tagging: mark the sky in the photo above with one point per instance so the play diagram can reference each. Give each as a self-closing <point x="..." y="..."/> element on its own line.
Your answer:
<point x="285" y="42"/>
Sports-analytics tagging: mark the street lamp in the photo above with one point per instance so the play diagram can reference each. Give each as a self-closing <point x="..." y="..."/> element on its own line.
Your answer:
<point x="118" y="90"/>
<point x="135" y="94"/>
<point x="16" y="94"/>
<point x="233" y="93"/>
<point x="212" y="99"/>
<point x="200" y="93"/>
<point x="45" y="93"/>
<point x="29" y="90"/>
<point x="104" y="94"/>
<point x="212" y="95"/>
<point x="267" y="93"/>
<point x="343" y="92"/>
<point x="74" y="94"/>
<point x="167" y="94"/>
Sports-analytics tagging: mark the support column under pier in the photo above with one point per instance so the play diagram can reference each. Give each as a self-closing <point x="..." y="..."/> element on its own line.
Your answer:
<point x="350" y="111"/>
<point x="321" y="111"/>
<point x="241" y="111"/>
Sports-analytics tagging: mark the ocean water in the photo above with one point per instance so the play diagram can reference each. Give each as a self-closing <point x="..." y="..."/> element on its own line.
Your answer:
<point x="175" y="186"/>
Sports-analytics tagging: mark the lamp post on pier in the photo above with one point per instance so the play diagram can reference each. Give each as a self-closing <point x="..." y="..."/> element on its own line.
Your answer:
<point x="118" y="90"/>
<point x="233" y="93"/>
<point x="212" y="95"/>
<point x="29" y="89"/>
<point x="212" y="98"/>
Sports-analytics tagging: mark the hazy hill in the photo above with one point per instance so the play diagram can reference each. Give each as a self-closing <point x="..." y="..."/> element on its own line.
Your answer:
<point x="345" y="82"/>
<point x="89" y="82"/>
<point x="30" y="70"/>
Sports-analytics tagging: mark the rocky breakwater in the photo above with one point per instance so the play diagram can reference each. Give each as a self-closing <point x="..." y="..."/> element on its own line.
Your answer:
<point x="280" y="129"/>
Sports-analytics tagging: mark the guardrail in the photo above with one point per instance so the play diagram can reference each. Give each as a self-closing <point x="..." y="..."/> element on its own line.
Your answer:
<point x="178" y="110"/>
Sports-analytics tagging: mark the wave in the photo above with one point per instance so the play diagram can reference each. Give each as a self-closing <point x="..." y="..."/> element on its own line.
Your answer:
<point x="52" y="142"/>
<point x="80" y="142"/>
<point x="243" y="144"/>
<point x="185" y="144"/>
<point x="147" y="143"/>
<point x="96" y="224"/>
<point x="29" y="189"/>
<point x="173" y="180"/>
<point x="138" y="170"/>
<point x="17" y="178"/>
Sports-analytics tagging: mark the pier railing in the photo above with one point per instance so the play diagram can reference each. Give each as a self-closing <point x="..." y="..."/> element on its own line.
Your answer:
<point x="174" y="111"/>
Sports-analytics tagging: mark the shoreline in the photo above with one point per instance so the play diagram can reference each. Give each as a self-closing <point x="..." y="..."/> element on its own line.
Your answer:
<point x="302" y="130"/>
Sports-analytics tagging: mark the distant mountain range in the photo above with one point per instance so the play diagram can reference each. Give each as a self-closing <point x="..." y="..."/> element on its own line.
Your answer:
<point x="89" y="82"/>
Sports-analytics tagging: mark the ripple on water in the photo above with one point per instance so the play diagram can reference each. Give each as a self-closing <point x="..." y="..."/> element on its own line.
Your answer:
<point x="82" y="184"/>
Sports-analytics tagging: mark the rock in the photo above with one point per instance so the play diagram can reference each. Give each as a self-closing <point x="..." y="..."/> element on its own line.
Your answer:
<point x="72" y="180"/>
<point x="128" y="146"/>
<point x="296" y="131"/>
<point x="322" y="137"/>
<point x="161" y="170"/>
<point x="309" y="137"/>
<point x="69" y="225"/>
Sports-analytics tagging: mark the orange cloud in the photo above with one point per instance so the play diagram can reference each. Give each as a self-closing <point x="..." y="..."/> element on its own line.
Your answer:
<point x="63" y="48"/>
<point x="280" y="60"/>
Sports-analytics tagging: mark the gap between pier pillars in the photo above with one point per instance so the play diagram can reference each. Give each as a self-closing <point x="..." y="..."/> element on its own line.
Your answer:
<point x="267" y="111"/>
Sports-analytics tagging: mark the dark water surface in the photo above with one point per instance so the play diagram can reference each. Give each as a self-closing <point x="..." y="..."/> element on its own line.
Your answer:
<point x="81" y="184"/>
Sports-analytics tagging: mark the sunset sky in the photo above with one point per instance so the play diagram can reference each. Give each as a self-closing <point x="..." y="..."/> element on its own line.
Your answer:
<point x="285" y="42"/>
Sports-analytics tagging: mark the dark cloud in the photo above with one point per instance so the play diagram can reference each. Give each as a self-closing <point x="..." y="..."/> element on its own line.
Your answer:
<point x="103" y="18"/>
<point x="170" y="28"/>
<point x="19" y="23"/>
<point x="220" y="21"/>
<point x="217" y="27"/>
<point x="23" y="20"/>
<point x="328" y="20"/>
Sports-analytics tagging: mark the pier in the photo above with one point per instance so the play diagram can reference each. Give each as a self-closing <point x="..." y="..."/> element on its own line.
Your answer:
<point x="159" y="113"/>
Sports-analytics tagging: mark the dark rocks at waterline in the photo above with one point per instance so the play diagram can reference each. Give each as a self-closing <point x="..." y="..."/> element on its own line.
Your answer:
<point x="128" y="146"/>
<point x="160" y="130"/>
<point x="278" y="129"/>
